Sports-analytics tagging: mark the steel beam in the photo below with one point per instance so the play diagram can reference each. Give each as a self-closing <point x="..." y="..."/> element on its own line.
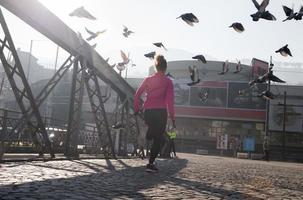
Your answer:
<point x="22" y="92"/>
<point x="97" y="106"/>
<point x="75" y="109"/>
<point x="44" y="21"/>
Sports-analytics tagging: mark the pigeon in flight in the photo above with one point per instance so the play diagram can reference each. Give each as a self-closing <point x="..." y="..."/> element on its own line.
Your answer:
<point x="200" y="58"/>
<point x="150" y="55"/>
<point x="225" y="68"/>
<point x="268" y="76"/>
<point x="237" y="27"/>
<point x="126" y="31"/>
<point x="194" y="75"/>
<point x="124" y="57"/>
<point x="82" y="13"/>
<point x="298" y="15"/>
<point x="284" y="51"/>
<point x="189" y="18"/>
<point x="238" y="67"/>
<point x="266" y="95"/>
<point x="93" y="35"/>
<point x="262" y="13"/>
<point x="289" y="13"/>
<point x="159" y="44"/>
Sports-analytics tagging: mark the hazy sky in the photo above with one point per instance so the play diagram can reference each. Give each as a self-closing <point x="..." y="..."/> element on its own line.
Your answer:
<point x="154" y="21"/>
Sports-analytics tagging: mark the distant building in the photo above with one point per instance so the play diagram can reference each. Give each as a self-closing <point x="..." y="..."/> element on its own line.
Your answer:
<point x="224" y="106"/>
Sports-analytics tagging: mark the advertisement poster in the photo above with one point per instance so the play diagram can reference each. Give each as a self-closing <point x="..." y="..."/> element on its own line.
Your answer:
<point x="249" y="144"/>
<point x="222" y="141"/>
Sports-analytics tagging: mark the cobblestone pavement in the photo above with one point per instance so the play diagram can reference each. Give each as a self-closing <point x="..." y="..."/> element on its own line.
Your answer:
<point x="187" y="177"/>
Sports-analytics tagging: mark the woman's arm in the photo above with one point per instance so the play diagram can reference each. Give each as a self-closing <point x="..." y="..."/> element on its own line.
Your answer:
<point x="170" y="100"/>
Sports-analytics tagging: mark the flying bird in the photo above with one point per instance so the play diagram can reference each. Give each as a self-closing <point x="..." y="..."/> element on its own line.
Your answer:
<point x="82" y="13"/>
<point x="238" y="67"/>
<point x="200" y="58"/>
<point x="262" y="13"/>
<point x="150" y="55"/>
<point x="266" y="95"/>
<point x="93" y="35"/>
<point x="284" y="51"/>
<point x="298" y="15"/>
<point x="291" y="14"/>
<point x="194" y="75"/>
<point x="225" y="68"/>
<point x="189" y="18"/>
<point x="126" y="31"/>
<point x="124" y="57"/>
<point x="268" y="76"/>
<point x="237" y="27"/>
<point x="159" y="44"/>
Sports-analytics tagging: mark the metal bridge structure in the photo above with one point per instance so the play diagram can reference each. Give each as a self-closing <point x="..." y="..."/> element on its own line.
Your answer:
<point x="88" y="70"/>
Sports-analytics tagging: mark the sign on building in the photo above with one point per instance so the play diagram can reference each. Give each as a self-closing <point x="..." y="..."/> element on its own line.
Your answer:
<point x="222" y="141"/>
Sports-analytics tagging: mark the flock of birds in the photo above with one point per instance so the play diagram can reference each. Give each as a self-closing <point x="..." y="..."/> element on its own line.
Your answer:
<point x="191" y="19"/>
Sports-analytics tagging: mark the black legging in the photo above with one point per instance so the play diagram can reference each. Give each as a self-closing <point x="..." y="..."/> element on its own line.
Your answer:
<point x="156" y="121"/>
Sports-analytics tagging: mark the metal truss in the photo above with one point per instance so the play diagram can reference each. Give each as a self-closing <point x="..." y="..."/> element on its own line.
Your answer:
<point x="127" y="122"/>
<point x="47" y="89"/>
<point x="22" y="91"/>
<point x="76" y="98"/>
<point x="97" y="106"/>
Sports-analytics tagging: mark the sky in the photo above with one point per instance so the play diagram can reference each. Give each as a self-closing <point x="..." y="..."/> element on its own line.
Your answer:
<point x="155" y="21"/>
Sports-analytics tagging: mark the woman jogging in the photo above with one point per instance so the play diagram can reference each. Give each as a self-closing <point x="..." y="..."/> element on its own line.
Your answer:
<point x="159" y="91"/>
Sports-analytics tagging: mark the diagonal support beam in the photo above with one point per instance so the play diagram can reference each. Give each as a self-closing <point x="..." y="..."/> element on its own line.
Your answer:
<point x="75" y="109"/>
<point x="97" y="106"/>
<point x="22" y="92"/>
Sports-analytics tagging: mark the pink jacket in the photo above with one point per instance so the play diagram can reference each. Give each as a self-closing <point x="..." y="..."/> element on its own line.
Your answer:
<point x="159" y="93"/>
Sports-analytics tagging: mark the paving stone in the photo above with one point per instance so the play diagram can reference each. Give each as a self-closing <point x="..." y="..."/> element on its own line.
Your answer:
<point x="187" y="177"/>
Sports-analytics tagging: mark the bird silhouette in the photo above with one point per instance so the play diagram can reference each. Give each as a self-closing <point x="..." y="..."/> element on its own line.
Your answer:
<point x="93" y="35"/>
<point x="150" y="55"/>
<point x="266" y="95"/>
<point x="237" y="27"/>
<point x="289" y="13"/>
<point x="194" y="75"/>
<point x="225" y="68"/>
<point x="126" y="31"/>
<point x="267" y="76"/>
<point x="298" y="15"/>
<point x="262" y="13"/>
<point x="124" y="57"/>
<point x="82" y="13"/>
<point x="200" y="58"/>
<point x="159" y="44"/>
<point x="189" y="18"/>
<point x="284" y="51"/>
<point x="238" y="67"/>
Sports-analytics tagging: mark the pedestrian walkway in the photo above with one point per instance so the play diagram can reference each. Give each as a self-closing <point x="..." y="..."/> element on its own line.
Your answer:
<point x="187" y="177"/>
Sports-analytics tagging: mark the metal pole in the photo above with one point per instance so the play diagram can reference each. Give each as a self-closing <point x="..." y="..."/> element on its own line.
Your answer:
<point x="284" y="127"/>
<point x="56" y="59"/>
<point x="29" y="60"/>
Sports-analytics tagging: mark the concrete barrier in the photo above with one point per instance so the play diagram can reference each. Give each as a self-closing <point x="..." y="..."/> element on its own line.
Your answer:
<point x="256" y="156"/>
<point x="202" y="152"/>
<point x="242" y="155"/>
